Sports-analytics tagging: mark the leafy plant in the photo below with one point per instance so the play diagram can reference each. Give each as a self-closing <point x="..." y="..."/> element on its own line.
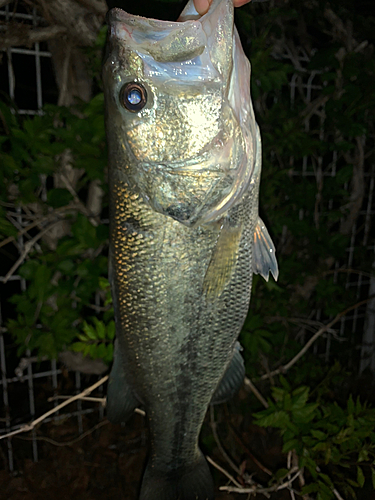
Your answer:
<point x="336" y="445"/>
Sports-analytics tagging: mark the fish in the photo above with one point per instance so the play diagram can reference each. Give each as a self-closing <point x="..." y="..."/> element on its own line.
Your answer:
<point x="185" y="233"/>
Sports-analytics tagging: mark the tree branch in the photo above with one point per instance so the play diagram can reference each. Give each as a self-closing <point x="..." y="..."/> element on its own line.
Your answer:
<point x="34" y="423"/>
<point x="223" y="471"/>
<point x="248" y="383"/>
<point x="28" y="247"/>
<point x="16" y="35"/>
<point x="318" y="334"/>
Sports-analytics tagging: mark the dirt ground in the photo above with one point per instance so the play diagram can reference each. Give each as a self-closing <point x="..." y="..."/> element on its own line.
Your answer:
<point x="106" y="464"/>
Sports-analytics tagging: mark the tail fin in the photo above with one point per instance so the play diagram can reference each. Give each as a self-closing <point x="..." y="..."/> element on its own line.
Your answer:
<point x="189" y="483"/>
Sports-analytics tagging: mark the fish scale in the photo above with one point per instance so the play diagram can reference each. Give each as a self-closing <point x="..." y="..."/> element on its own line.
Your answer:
<point x="184" y="172"/>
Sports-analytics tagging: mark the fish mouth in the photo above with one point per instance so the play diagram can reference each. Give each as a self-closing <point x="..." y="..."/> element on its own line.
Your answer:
<point x="181" y="40"/>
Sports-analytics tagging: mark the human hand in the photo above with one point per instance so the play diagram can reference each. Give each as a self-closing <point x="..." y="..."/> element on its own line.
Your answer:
<point x="202" y="6"/>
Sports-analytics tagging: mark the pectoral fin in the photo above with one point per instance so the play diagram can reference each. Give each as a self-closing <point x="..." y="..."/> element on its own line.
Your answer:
<point x="121" y="401"/>
<point x="264" y="253"/>
<point x="223" y="261"/>
<point x="232" y="380"/>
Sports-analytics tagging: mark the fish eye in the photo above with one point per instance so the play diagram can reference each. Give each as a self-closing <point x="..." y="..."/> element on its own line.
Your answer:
<point x="133" y="96"/>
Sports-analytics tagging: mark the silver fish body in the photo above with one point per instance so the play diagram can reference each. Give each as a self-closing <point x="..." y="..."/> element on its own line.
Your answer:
<point x="184" y="171"/>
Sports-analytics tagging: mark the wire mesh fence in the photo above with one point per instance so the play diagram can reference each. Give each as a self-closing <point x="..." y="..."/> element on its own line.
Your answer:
<point x="21" y="378"/>
<point x="28" y="71"/>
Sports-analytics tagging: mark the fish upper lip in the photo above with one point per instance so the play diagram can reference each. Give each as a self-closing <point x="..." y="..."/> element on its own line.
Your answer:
<point x="117" y="14"/>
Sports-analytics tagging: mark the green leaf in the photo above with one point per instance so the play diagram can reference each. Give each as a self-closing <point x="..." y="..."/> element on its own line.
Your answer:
<point x="276" y="419"/>
<point x="309" y="488"/>
<point x="93" y="349"/>
<point x="78" y="346"/>
<point x="350" y="405"/>
<point x="111" y="330"/>
<point x="318" y="434"/>
<point x="305" y="414"/>
<point x="109" y="356"/>
<point x="101" y="351"/>
<point x="290" y="445"/>
<point x="353" y="483"/>
<point x="59" y="197"/>
<point x="300" y="397"/>
<point x="360" y="477"/>
<point x="90" y="331"/>
<point x="100" y="328"/>
<point x="363" y="455"/>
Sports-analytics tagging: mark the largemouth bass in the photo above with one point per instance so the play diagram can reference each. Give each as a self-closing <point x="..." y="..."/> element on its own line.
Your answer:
<point x="185" y="236"/>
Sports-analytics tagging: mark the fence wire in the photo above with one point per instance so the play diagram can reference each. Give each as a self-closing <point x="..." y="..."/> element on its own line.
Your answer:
<point x="18" y="382"/>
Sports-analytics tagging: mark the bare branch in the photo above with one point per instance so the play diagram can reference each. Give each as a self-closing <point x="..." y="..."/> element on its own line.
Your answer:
<point x="66" y="443"/>
<point x="219" y="445"/>
<point x="34" y="423"/>
<point x="16" y="35"/>
<point x="358" y="186"/>
<point x="260" y="489"/>
<point x="97" y="6"/>
<point x="81" y="24"/>
<point x="318" y="334"/>
<point x="337" y="494"/>
<point x="102" y="401"/>
<point x="254" y="390"/>
<point x="289" y="465"/>
<point x="223" y="471"/>
<point x="248" y="452"/>
<point x="28" y="247"/>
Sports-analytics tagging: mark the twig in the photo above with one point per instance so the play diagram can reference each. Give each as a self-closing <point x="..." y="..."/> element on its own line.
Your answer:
<point x="318" y="334"/>
<point x="219" y="445"/>
<point x="102" y="401"/>
<point x="67" y="443"/>
<point x="223" y="471"/>
<point x="347" y="271"/>
<point x="28" y="247"/>
<point x="15" y="36"/>
<point x="251" y="456"/>
<point x="55" y="214"/>
<point x="97" y="6"/>
<point x="259" y="489"/>
<point x="34" y="423"/>
<point x="337" y="494"/>
<point x="254" y="390"/>
<point x="289" y="464"/>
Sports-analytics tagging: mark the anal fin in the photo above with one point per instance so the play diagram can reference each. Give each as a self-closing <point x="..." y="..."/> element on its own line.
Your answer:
<point x="121" y="401"/>
<point x="264" y="252"/>
<point x="232" y="380"/>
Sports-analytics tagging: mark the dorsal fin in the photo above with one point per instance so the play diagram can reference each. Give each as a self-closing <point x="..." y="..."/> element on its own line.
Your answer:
<point x="264" y="253"/>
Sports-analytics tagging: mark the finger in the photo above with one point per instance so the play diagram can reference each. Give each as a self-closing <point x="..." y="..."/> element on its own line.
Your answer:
<point x="202" y="6"/>
<point x="240" y="3"/>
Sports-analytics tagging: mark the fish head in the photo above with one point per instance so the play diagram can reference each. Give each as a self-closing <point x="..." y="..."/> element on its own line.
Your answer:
<point x="172" y="124"/>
